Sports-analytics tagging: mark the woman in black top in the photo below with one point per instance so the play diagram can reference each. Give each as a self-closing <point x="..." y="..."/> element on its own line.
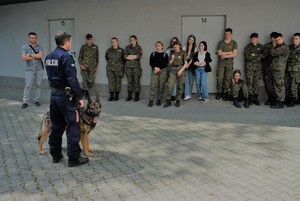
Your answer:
<point x="158" y="62"/>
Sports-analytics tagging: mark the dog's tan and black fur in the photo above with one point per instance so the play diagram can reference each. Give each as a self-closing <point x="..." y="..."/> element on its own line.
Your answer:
<point x="88" y="121"/>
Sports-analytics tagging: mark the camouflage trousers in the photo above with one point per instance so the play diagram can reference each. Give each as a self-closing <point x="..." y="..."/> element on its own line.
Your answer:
<point x="88" y="79"/>
<point x="237" y="89"/>
<point x="268" y="80"/>
<point x="133" y="78"/>
<point x="114" y="81"/>
<point x="172" y="81"/>
<point x="278" y="84"/>
<point x="292" y="81"/>
<point x="158" y="81"/>
<point x="224" y="75"/>
<point x="253" y="77"/>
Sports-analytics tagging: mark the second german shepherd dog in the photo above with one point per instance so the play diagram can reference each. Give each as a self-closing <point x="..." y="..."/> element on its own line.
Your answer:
<point x="88" y="120"/>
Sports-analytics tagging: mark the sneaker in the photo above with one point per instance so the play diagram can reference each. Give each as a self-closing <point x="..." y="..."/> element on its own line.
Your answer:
<point x="187" y="98"/>
<point x="200" y="98"/>
<point x="57" y="160"/>
<point x="80" y="161"/>
<point x="25" y="105"/>
<point x="37" y="103"/>
<point x="205" y="100"/>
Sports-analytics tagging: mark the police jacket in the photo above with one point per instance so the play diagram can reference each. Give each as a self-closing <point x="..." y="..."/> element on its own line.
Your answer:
<point x="61" y="71"/>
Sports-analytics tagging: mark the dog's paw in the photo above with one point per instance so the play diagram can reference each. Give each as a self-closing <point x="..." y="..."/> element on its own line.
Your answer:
<point x="42" y="152"/>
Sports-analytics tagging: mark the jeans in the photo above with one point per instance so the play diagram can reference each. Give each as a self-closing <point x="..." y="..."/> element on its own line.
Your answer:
<point x="201" y="85"/>
<point x="189" y="81"/>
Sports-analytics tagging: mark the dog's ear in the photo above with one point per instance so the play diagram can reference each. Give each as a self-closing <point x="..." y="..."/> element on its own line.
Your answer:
<point x="97" y="98"/>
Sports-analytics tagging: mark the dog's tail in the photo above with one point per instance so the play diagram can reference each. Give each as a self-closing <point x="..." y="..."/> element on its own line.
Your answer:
<point x="44" y="124"/>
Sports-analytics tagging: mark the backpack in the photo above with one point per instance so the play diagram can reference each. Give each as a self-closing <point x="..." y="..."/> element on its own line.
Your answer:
<point x="153" y="54"/>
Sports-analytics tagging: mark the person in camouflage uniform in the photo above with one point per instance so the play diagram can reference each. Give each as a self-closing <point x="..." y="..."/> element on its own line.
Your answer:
<point x="267" y="73"/>
<point x="280" y="53"/>
<point x="178" y="61"/>
<point x="293" y="71"/>
<point x="238" y="90"/>
<point x="115" y="68"/>
<point x="88" y="60"/>
<point x="227" y="50"/>
<point x="132" y="55"/>
<point x="253" y="67"/>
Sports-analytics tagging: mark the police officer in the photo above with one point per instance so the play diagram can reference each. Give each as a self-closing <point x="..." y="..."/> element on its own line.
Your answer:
<point x="114" y="68"/>
<point x="132" y="55"/>
<point x="267" y="74"/>
<point x="280" y="53"/>
<point x="62" y="73"/>
<point x="227" y="50"/>
<point x="88" y="60"/>
<point x="253" y="67"/>
<point x="293" y="71"/>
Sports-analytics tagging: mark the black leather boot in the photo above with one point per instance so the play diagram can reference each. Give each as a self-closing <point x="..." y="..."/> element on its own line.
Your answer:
<point x="116" y="96"/>
<point x="225" y="96"/>
<point x="250" y="98"/>
<point x="246" y="103"/>
<point x="158" y="102"/>
<point x="292" y="102"/>
<point x="177" y="104"/>
<point x="111" y="97"/>
<point x="219" y="95"/>
<point x="168" y="103"/>
<point x="150" y="104"/>
<point x="236" y="103"/>
<point x="129" y="98"/>
<point x="255" y="100"/>
<point x="137" y="96"/>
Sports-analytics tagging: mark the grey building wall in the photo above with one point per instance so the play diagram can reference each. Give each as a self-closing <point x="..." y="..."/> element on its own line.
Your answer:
<point x="149" y="20"/>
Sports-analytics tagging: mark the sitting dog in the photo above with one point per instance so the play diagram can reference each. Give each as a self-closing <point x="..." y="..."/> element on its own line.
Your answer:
<point x="88" y="120"/>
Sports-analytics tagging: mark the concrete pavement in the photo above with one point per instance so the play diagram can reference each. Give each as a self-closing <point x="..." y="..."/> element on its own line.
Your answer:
<point x="210" y="151"/>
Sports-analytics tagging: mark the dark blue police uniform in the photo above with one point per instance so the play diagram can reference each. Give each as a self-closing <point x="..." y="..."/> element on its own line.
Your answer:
<point x="62" y="73"/>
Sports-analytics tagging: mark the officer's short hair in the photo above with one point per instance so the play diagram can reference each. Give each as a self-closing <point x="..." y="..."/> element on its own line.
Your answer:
<point x="32" y="33"/>
<point x="277" y="35"/>
<point x="114" y="38"/>
<point x="61" y="38"/>
<point x="297" y="34"/>
<point x="272" y="35"/>
<point x="254" y="35"/>
<point x="228" y="30"/>
<point x="89" y="36"/>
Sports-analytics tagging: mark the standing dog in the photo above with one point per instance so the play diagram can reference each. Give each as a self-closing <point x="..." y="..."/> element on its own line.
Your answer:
<point x="88" y="120"/>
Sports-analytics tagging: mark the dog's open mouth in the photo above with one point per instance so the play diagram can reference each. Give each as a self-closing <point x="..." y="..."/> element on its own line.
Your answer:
<point x="96" y="119"/>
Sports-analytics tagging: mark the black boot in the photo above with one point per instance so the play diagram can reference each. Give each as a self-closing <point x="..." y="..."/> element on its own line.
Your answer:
<point x="158" y="102"/>
<point x="292" y="102"/>
<point x="250" y="98"/>
<point x="137" y="96"/>
<point x="268" y="102"/>
<point x="129" y="98"/>
<point x="150" y="104"/>
<point x="116" y="96"/>
<point x="225" y="96"/>
<point x="219" y="95"/>
<point x="255" y="100"/>
<point x="246" y="103"/>
<point x="236" y="103"/>
<point x="168" y="103"/>
<point x="277" y="105"/>
<point x="177" y="104"/>
<point x="111" y="97"/>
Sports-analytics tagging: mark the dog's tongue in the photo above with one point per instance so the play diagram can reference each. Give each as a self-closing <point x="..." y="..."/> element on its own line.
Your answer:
<point x="95" y="120"/>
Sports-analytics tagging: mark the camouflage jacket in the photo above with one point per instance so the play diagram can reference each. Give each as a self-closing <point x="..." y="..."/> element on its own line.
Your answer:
<point x="267" y="56"/>
<point x="280" y="54"/>
<point x="130" y="50"/>
<point x="89" y="56"/>
<point x="115" y="59"/>
<point x="253" y="56"/>
<point x="293" y="63"/>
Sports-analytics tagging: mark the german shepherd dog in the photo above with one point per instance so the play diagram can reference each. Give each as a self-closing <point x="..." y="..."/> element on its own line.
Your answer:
<point x="88" y="120"/>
